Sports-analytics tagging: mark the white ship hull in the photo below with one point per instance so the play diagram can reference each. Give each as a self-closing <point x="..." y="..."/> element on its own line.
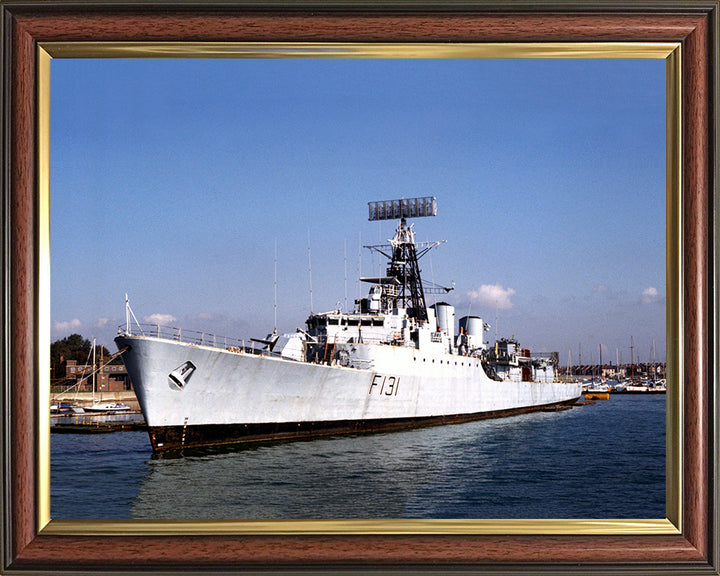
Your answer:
<point x="391" y="363"/>
<point x="232" y="396"/>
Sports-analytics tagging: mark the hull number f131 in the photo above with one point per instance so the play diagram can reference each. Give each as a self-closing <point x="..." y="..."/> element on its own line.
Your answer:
<point x="387" y="385"/>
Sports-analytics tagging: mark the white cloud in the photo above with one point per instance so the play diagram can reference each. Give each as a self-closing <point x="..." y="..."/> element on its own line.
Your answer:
<point x="101" y="322"/>
<point x="73" y="324"/>
<point x="649" y="295"/>
<point x="492" y="295"/>
<point x="161" y="319"/>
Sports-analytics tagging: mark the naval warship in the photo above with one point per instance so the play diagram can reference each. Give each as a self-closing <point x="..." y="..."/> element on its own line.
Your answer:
<point x="392" y="363"/>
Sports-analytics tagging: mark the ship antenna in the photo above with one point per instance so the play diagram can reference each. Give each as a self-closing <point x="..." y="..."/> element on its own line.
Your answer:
<point x="496" y="320"/>
<point x="379" y="262"/>
<point x="128" y="313"/>
<point x="359" y="264"/>
<point x="432" y="275"/>
<point x="275" y="290"/>
<point x="345" y="262"/>
<point x="310" y="272"/>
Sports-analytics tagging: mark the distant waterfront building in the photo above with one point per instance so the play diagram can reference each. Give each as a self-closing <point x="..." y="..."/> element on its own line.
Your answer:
<point x="111" y="378"/>
<point x="613" y="372"/>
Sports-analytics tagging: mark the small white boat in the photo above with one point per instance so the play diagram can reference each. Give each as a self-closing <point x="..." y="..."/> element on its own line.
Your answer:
<point x="107" y="407"/>
<point x="64" y="408"/>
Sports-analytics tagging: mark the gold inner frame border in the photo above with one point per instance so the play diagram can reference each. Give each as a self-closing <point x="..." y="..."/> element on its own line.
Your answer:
<point x="669" y="51"/>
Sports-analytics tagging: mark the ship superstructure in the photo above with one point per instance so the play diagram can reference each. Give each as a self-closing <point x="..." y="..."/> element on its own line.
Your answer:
<point x="393" y="362"/>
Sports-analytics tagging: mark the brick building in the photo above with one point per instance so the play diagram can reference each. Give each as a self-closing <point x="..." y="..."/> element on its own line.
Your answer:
<point x="111" y="378"/>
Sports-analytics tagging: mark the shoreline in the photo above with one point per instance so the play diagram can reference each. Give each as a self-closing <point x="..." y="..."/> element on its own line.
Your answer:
<point x="86" y="398"/>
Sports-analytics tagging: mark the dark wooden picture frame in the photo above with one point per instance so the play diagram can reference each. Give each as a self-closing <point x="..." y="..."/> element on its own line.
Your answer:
<point x="28" y="547"/>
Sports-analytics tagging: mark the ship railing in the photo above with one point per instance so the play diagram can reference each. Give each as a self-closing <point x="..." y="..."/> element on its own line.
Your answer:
<point x="353" y="341"/>
<point x="199" y="338"/>
<point x="550" y="357"/>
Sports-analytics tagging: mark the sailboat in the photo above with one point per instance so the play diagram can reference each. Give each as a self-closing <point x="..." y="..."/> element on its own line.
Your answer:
<point x="101" y="406"/>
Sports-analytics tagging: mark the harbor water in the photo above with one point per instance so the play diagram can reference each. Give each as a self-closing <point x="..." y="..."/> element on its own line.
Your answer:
<point x="605" y="460"/>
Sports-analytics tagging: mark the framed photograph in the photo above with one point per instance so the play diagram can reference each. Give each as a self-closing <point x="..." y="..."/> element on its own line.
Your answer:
<point x="682" y="34"/>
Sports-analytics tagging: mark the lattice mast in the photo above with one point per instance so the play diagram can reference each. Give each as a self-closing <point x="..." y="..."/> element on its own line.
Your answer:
<point x="403" y="286"/>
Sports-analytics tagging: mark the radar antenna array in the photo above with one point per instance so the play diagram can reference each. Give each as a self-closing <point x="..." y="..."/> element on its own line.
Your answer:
<point x="403" y="208"/>
<point x="403" y="270"/>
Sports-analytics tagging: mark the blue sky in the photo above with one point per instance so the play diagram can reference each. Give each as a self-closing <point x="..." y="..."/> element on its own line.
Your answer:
<point x="174" y="180"/>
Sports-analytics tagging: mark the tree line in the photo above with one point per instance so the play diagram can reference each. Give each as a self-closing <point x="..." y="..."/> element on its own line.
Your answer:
<point x="75" y="347"/>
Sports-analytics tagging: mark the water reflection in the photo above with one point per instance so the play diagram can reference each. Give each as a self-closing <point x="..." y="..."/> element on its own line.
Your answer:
<point x="588" y="462"/>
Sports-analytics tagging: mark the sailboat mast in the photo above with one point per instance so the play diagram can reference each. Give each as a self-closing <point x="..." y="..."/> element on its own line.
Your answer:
<point x="580" y="355"/>
<point x="93" y="373"/>
<point x="653" y="361"/>
<point x="569" y="362"/>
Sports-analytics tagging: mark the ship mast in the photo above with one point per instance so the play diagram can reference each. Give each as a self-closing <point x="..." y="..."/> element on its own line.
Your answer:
<point x="405" y="269"/>
<point x="402" y="284"/>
